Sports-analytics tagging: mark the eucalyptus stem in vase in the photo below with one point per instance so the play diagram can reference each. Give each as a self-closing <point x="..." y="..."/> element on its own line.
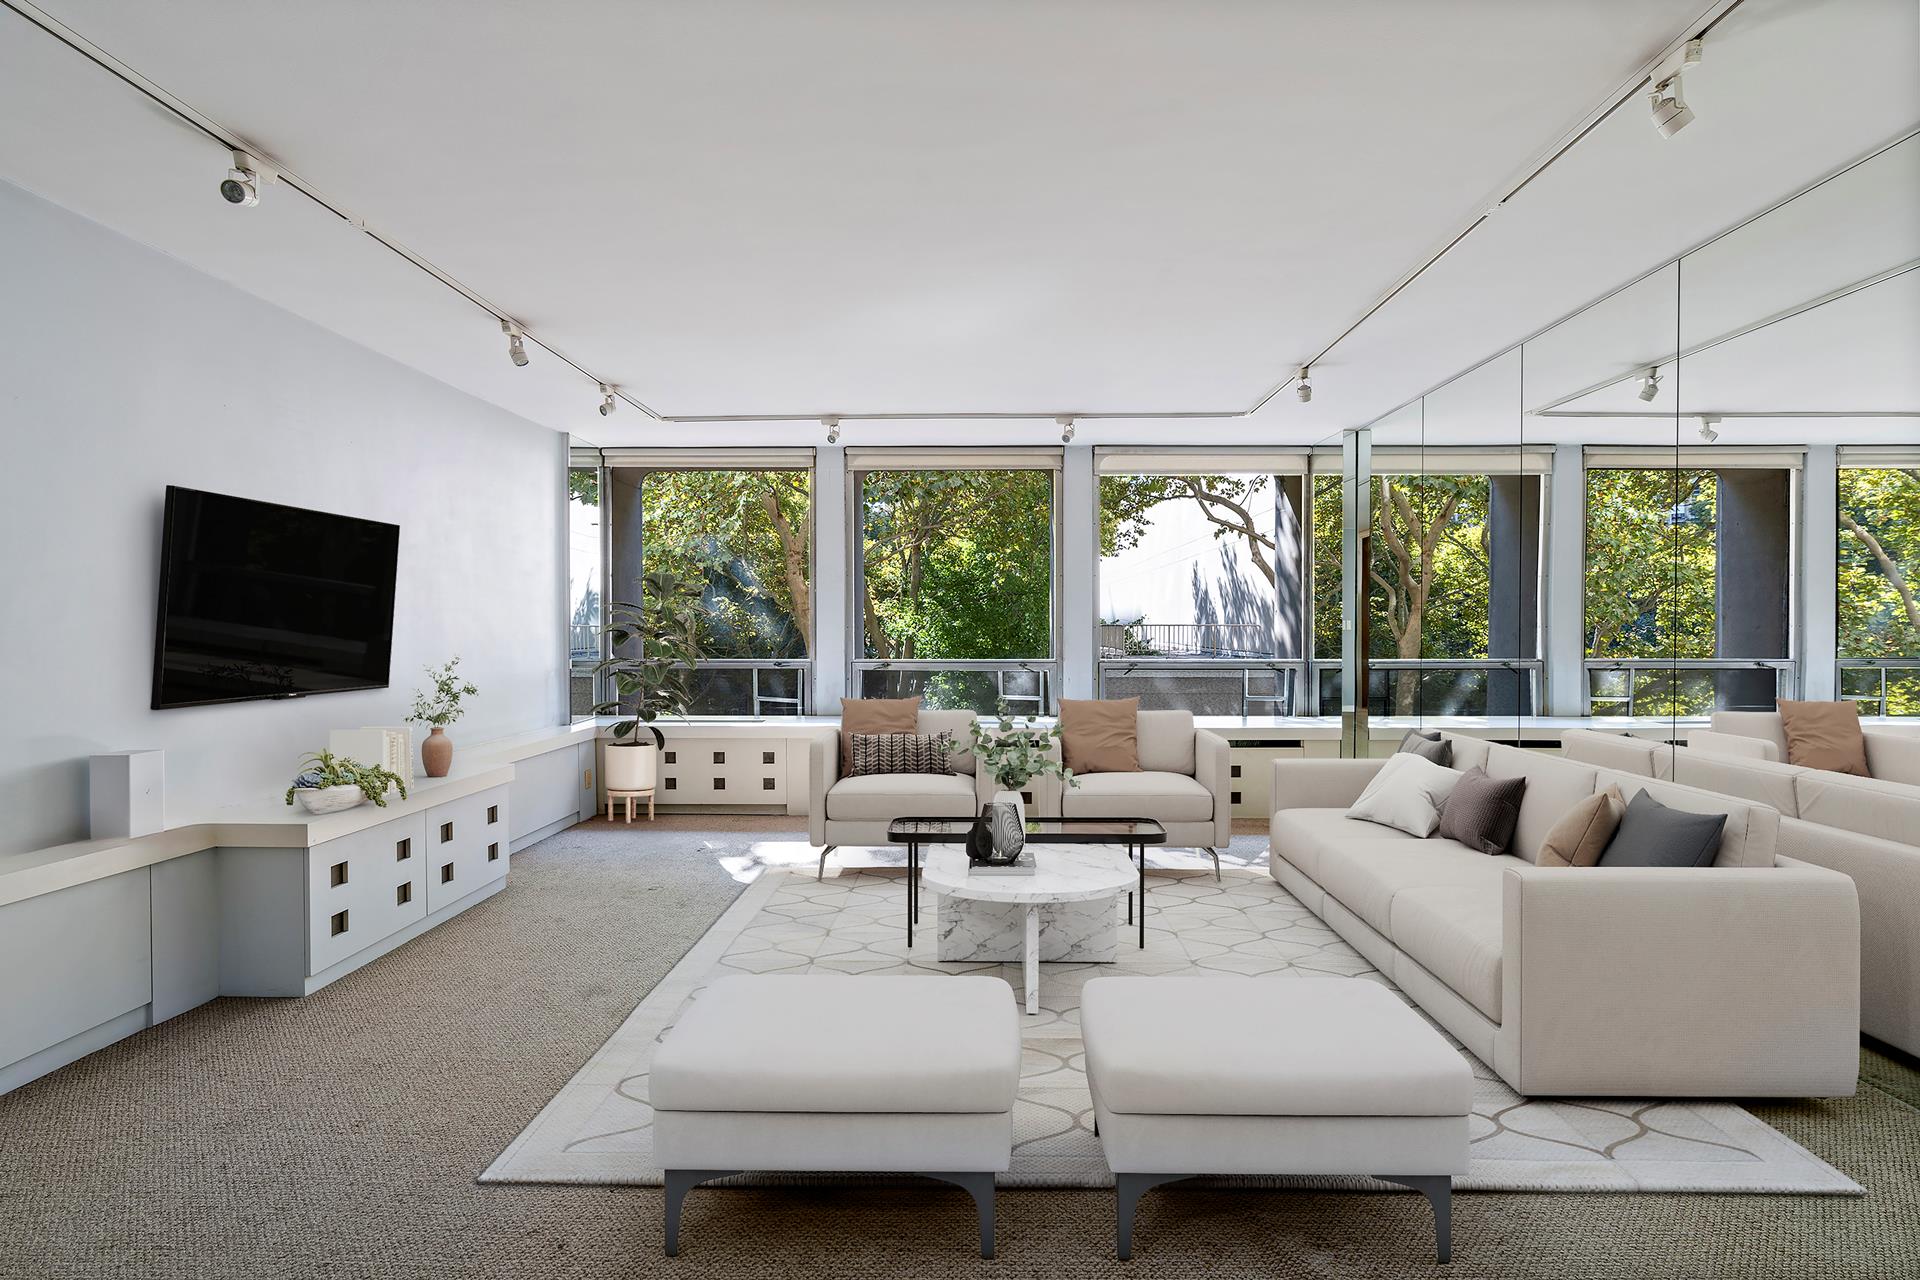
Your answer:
<point x="440" y="708"/>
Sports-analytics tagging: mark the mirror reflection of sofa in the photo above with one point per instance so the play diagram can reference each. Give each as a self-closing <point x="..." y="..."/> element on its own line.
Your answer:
<point x="1865" y="828"/>
<point x="1739" y="979"/>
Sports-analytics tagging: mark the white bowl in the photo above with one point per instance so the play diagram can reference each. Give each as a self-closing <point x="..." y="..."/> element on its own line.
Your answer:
<point x="329" y="799"/>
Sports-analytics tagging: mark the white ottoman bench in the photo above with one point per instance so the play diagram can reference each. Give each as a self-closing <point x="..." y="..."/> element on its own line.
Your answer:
<point x="824" y="1072"/>
<point x="1231" y="1075"/>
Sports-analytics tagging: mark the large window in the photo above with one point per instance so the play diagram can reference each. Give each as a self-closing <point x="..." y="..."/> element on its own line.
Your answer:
<point x="1878" y="619"/>
<point x="956" y="587"/>
<point x="1199" y="591"/>
<point x="745" y="537"/>
<point x="1688" y="573"/>
<point x="584" y="577"/>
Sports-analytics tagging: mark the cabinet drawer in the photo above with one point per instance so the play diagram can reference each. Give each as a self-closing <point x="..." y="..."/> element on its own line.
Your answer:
<point x="364" y="887"/>
<point x="733" y="771"/>
<point x="467" y="844"/>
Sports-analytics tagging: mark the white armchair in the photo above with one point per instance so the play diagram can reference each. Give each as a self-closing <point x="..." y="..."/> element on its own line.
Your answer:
<point x="856" y="811"/>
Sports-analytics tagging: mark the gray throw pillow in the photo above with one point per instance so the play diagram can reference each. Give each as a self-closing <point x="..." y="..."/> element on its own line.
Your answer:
<point x="1428" y="745"/>
<point x="1653" y="835"/>
<point x="1481" y="812"/>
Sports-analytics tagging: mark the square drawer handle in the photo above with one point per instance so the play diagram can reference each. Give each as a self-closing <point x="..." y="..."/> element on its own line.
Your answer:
<point x="403" y="849"/>
<point x="403" y="893"/>
<point x="339" y="923"/>
<point x="338" y="875"/>
<point x="446" y="832"/>
<point x="493" y="814"/>
<point x="446" y="873"/>
<point x="493" y="853"/>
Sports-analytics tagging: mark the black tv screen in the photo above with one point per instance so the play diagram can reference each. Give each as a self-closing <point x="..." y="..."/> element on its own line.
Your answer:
<point x="258" y="600"/>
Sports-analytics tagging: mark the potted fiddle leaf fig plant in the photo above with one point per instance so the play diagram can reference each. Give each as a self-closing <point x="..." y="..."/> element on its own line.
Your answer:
<point x="654" y="647"/>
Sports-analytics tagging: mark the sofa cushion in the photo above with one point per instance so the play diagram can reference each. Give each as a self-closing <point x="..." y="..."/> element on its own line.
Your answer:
<point x="1366" y="875"/>
<point x="1166" y="742"/>
<point x="1579" y="838"/>
<point x="1824" y="735"/>
<point x="1750" y="779"/>
<point x="1480" y="811"/>
<point x="1618" y="751"/>
<point x="839" y="1043"/>
<point x="1467" y="752"/>
<point x="1406" y="795"/>
<point x="1302" y="837"/>
<point x="1652" y="835"/>
<point x="1170" y="797"/>
<point x="1763" y="725"/>
<point x="874" y="715"/>
<point x="1434" y="746"/>
<point x="1751" y="836"/>
<point x="960" y="725"/>
<point x="1554" y="786"/>
<point x="1889" y="810"/>
<point x="1893" y="755"/>
<point x="882" y="797"/>
<point x="1100" y="735"/>
<point x="1454" y="933"/>
<point x="901" y="753"/>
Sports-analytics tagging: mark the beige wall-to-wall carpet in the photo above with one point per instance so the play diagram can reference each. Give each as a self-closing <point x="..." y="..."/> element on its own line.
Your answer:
<point x="1243" y="927"/>
<point x="338" y="1137"/>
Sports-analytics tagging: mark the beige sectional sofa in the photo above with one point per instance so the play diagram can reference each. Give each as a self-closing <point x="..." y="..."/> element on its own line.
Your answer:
<point x="1865" y="828"/>
<point x="1736" y="980"/>
<point x="1893" y="754"/>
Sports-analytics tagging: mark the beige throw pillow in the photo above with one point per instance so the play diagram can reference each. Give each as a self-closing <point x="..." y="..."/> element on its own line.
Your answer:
<point x="1580" y="837"/>
<point x="871" y="716"/>
<point x="1100" y="735"/>
<point x="1824" y="735"/>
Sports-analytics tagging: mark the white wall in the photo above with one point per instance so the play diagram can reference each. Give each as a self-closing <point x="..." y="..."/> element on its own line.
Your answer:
<point x="123" y="371"/>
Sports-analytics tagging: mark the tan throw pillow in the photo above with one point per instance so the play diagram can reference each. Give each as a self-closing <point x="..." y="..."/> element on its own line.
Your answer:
<point x="1579" y="838"/>
<point x="1100" y="735"/>
<point x="1824" y="735"/>
<point x="874" y="715"/>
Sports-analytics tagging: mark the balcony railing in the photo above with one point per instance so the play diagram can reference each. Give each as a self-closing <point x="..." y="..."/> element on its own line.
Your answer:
<point x="583" y="641"/>
<point x="1185" y="640"/>
<point x="1441" y="686"/>
<point x="1027" y="686"/>
<point x="1881" y="686"/>
<point x="1685" y="686"/>
<point x="1206" y="688"/>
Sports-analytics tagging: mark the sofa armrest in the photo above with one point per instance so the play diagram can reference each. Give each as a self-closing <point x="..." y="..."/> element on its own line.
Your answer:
<point x="1734" y="745"/>
<point x="1893" y="757"/>
<point x="1886" y="874"/>
<point x="1320" y="784"/>
<point x="1213" y="769"/>
<point x="1652" y="982"/>
<point x="823" y="770"/>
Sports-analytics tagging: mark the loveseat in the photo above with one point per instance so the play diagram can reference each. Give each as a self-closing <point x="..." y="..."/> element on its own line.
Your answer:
<point x="1865" y="828"/>
<point x="1741" y="979"/>
<point x="856" y="810"/>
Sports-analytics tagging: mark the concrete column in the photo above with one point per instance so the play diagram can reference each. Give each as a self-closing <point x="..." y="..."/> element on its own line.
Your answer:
<point x="833" y="618"/>
<point x="621" y="511"/>
<point x="1513" y="587"/>
<point x="1753" y="542"/>
<point x="1290" y="569"/>
<point x="1566" y="576"/>
<point x="1819" y="572"/>
<point x="1077" y="625"/>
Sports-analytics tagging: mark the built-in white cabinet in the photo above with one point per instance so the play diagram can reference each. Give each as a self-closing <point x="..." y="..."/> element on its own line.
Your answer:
<point x="363" y="887"/>
<point x="735" y="771"/>
<point x="467" y="847"/>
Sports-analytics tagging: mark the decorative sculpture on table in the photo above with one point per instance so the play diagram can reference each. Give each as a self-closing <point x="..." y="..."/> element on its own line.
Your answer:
<point x="1015" y="751"/>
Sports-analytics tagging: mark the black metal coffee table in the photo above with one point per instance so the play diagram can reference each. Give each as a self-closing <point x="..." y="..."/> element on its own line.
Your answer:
<point x="1135" y="834"/>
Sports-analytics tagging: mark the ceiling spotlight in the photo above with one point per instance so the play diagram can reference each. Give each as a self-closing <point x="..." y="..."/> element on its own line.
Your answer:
<point x="1708" y="421"/>
<point x="1671" y="113"/>
<point x="1650" y="382"/>
<point x="1304" y="388"/>
<point x="517" y="345"/>
<point x="1066" y="429"/>
<point x="243" y="181"/>
<point x="607" y="402"/>
<point x="833" y="429"/>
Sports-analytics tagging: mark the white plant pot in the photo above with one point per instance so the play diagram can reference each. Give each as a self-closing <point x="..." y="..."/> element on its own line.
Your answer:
<point x="632" y="766"/>
<point x="330" y="799"/>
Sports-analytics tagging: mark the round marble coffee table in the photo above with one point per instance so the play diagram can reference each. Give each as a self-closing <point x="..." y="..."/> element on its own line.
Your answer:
<point x="1067" y="909"/>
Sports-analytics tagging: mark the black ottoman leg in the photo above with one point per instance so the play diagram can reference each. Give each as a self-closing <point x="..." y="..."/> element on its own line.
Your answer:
<point x="1438" y="1189"/>
<point x="679" y="1182"/>
<point x="980" y="1187"/>
<point x="1127" y="1190"/>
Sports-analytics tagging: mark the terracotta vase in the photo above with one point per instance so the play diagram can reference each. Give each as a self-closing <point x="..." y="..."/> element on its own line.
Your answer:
<point x="436" y="753"/>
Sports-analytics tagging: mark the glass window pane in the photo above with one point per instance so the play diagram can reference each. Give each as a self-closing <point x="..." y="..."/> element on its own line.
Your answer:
<point x="978" y="691"/>
<point x="584" y="612"/>
<point x="1187" y="566"/>
<point x="1326" y="579"/>
<point x="957" y="565"/>
<point x="1879" y="563"/>
<point x="1651" y="563"/>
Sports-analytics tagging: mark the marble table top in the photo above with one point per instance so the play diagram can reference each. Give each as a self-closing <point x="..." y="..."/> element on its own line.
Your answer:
<point x="1066" y="873"/>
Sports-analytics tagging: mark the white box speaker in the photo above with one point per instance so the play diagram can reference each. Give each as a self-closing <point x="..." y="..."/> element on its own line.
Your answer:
<point x="127" y="794"/>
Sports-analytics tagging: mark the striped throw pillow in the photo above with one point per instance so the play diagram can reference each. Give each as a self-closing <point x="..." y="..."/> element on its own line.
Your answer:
<point x="901" y="753"/>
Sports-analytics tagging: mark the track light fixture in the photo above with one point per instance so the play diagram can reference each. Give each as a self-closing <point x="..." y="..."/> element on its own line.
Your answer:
<point x="1671" y="113"/>
<point x="1650" y="382"/>
<point x="1304" y="387"/>
<point x="607" y="402"/>
<point x="1065" y="423"/>
<point x="833" y="429"/>
<point x="244" y="180"/>
<point x="517" y="345"/>
<point x="1708" y="421"/>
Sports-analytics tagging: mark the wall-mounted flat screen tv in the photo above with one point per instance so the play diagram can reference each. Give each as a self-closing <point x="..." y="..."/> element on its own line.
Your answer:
<point x="258" y="600"/>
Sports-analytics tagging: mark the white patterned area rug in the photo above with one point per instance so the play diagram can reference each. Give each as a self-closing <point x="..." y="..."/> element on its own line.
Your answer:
<point x="598" y="1129"/>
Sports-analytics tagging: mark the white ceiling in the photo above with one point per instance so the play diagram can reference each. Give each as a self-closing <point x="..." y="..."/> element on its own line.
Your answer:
<point x="763" y="207"/>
